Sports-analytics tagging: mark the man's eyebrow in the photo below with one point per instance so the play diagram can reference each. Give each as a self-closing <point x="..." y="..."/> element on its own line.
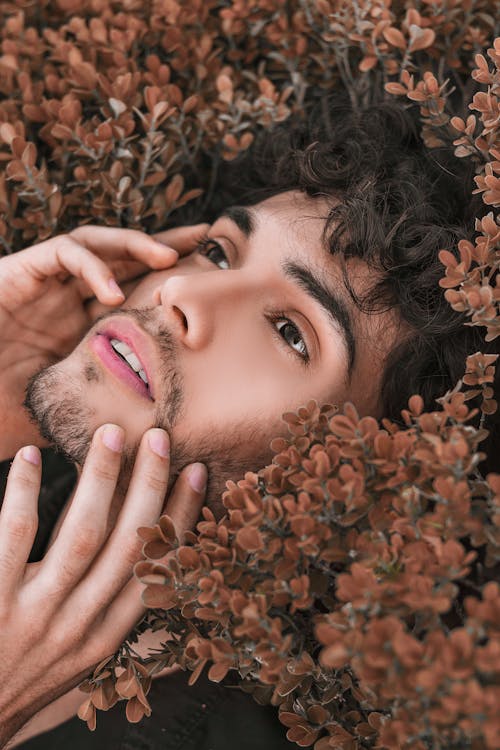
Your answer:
<point x="242" y="216"/>
<point x="309" y="281"/>
<point x="332" y="303"/>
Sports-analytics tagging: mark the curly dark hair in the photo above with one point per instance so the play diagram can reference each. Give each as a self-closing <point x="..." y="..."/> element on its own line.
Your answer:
<point x="400" y="204"/>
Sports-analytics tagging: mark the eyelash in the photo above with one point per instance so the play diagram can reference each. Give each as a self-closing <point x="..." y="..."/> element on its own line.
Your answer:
<point x="204" y="246"/>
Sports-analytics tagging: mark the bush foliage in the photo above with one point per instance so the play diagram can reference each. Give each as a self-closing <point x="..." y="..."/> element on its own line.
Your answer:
<point x="351" y="582"/>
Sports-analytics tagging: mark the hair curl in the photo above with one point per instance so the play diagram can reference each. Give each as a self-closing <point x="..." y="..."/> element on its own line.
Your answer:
<point x="400" y="204"/>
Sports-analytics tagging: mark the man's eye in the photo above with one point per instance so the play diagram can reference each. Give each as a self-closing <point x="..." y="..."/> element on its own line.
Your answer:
<point x="286" y="331"/>
<point x="214" y="252"/>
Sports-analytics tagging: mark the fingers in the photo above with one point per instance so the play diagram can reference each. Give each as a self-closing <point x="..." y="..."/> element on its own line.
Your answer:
<point x="113" y="243"/>
<point x="183" y="507"/>
<point x="84" y="528"/>
<point x="87" y="254"/>
<point x="186" y="498"/>
<point x="122" y="270"/>
<point x="65" y="255"/>
<point x="88" y="570"/>
<point x="142" y="506"/>
<point x="183" y="239"/>
<point x="157" y="251"/>
<point x="18" y="518"/>
<point x="83" y="253"/>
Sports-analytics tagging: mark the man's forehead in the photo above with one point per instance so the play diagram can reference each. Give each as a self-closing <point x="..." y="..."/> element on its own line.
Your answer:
<point x="304" y="217"/>
<point x="300" y="223"/>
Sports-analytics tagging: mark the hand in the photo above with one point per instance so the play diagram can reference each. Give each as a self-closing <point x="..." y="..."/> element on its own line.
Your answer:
<point x="183" y="239"/>
<point x="60" y="617"/>
<point x="43" y="312"/>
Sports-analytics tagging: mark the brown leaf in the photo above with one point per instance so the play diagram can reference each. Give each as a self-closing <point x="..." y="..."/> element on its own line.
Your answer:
<point x="135" y="710"/>
<point x="174" y="189"/>
<point x="249" y="539"/>
<point x="394" y="37"/>
<point x="61" y="131"/>
<point x="158" y="596"/>
<point x="155" y="178"/>
<point x="7" y="132"/>
<point x="217" y="672"/>
<point x="88" y="714"/>
<point x="29" y="155"/>
<point x="127" y="683"/>
<point x="421" y="38"/>
<point x="15" y="170"/>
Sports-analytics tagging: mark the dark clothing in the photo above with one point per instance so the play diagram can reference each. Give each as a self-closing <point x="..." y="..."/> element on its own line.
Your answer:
<point x="205" y="716"/>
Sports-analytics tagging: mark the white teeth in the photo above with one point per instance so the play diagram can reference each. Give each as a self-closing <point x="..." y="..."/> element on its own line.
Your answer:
<point x="133" y="361"/>
<point x="121" y="347"/>
<point x="127" y="354"/>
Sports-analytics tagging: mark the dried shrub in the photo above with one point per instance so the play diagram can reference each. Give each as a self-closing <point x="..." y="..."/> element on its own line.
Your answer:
<point x="351" y="582"/>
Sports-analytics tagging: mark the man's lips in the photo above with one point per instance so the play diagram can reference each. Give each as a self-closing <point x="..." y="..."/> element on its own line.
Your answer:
<point x="126" y="331"/>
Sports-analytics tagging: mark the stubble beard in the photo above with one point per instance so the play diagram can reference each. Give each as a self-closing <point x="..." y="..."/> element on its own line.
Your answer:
<point x="58" y="404"/>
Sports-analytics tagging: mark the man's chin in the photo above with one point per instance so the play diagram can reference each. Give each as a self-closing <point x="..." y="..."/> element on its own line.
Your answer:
<point x="56" y="404"/>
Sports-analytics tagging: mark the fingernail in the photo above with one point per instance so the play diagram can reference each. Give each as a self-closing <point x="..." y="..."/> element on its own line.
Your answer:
<point x="31" y="454"/>
<point x="197" y="477"/>
<point x="115" y="288"/>
<point x="113" y="438"/>
<point x="158" y="442"/>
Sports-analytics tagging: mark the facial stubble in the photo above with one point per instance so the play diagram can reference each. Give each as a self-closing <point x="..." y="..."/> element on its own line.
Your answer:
<point x="58" y="403"/>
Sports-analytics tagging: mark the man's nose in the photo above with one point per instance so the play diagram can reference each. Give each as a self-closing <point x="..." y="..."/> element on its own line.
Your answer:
<point x="194" y="304"/>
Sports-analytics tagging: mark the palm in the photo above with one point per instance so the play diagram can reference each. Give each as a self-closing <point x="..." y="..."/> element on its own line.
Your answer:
<point x="32" y="335"/>
<point x="47" y="324"/>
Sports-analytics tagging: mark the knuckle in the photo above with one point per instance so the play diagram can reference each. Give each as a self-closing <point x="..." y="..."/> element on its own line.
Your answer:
<point x="26" y="481"/>
<point x="61" y="240"/>
<point x="85" y="543"/>
<point x="67" y="636"/>
<point x="79" y="231"/>
<point x="135" y="235"/>
<point x="8" y="565"/>
<point x="104" y="472"/>
<point x="19" y="526"/>
<point x="156" y="482"/>
<point x="59" y="584"/>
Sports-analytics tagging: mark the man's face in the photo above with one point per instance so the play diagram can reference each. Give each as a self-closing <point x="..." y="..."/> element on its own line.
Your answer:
<point x="231" y="337"/>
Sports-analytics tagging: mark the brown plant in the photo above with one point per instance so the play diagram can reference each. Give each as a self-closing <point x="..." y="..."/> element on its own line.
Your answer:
<point x="351" y="581"/>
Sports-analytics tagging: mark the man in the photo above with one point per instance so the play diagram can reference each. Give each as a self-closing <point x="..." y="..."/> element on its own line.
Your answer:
<point x="322" y="282"/>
